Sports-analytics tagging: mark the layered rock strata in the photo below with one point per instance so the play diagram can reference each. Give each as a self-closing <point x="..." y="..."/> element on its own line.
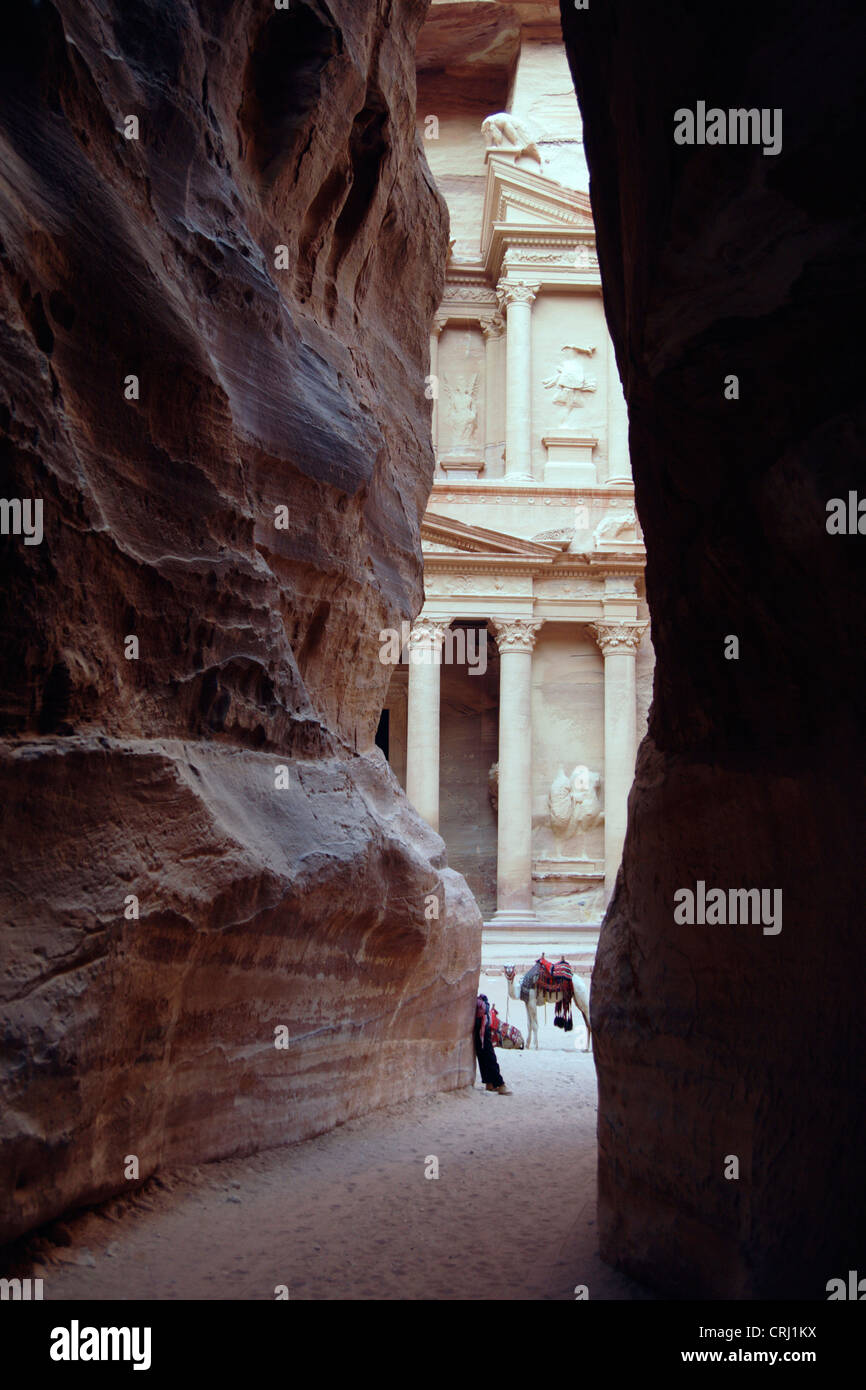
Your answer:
<point x="221" y="251"/>
<point x="720" y="261"/>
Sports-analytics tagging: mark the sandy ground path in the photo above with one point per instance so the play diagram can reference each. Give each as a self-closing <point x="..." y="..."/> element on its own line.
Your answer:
<point x="350" y="1214"/>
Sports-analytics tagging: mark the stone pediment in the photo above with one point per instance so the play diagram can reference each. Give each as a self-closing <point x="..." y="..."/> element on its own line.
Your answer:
<point x="523" y="198"/>
<point x="442" y="534"/>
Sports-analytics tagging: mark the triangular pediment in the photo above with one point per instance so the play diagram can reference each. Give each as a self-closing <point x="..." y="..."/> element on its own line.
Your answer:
<point x="532" y="207"/>
<point x="518" y="195"/>
<point x="449" y="536"/>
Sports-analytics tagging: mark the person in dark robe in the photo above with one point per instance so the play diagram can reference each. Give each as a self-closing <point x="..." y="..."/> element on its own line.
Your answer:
<point x="491" y="1076"/>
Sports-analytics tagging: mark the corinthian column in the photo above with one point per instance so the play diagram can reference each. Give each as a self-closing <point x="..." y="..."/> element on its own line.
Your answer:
<point x="619" y="642"/>
<point x="422" y="732"/>
<point x="435" y="334"/>
<point x="515" y="300"/>
<point x="516" y="639"/>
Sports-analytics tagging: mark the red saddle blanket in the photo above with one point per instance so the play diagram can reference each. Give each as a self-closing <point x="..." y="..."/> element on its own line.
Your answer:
<point x="555" y="979"/>
<point x="558" y="981"/>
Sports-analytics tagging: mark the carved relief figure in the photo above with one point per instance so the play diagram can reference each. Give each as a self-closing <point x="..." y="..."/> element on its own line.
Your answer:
<point x="621" y="525"/>
<point x="585" y="256"/>
<point x="503" y="131"/>
<point x="570" y="380"/>
<point x="462" y="400"/>
<point x="573" y="806"/>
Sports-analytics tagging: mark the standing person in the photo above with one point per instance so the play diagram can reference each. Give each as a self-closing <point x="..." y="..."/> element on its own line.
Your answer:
<point x="487" y="1063"/>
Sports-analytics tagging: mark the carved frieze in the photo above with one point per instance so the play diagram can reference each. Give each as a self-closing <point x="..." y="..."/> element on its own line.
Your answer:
<point x="617" y="587"/>
<point x="585" y="256"/>
<point x="568" y="588"/>
<point x="488" y="583"/>
<point x="468" y="294"/>
<point x="519" y="255"/>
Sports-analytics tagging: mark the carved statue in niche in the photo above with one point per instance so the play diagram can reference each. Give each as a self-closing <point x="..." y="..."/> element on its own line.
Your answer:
<point x="463" y="404"/>
<point x="574" y="808"/>
<point x="619" y="526"/>
<point x="570" y="380"/>
<point x="504" y="131"/>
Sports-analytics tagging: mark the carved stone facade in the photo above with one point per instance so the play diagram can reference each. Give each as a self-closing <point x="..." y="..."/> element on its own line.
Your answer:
<point x="531" y="545"/>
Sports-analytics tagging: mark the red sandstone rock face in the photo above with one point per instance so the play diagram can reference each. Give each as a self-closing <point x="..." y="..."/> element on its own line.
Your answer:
<point x="260" y="387"/>
<point x="716" y="1040"/>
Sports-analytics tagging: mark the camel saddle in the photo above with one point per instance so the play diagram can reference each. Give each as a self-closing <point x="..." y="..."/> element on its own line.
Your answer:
<point x="553" y="983"/>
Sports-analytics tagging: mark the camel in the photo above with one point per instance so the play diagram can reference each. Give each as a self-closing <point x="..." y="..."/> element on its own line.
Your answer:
<point x="532" y="999"/>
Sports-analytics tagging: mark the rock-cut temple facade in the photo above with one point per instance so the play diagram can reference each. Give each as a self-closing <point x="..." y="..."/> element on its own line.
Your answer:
<point x="514" y="718"/>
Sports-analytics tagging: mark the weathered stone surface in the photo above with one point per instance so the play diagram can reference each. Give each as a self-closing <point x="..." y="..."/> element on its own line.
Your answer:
<point x="468" y="36"/>
<point x="260" y="387"/>
<point x="471" y="38"/>
<point x="302" y="910"/>
<point x="716" y="1040"/>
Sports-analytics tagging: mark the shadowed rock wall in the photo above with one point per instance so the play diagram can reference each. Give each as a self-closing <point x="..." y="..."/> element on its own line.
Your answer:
<point x="267" y="379"/>
<point x="720" y="1040"/>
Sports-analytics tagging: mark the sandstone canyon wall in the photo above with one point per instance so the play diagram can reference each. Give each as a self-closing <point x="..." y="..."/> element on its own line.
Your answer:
<point x="290" y="380"/>
<point x="721" y="1040"/>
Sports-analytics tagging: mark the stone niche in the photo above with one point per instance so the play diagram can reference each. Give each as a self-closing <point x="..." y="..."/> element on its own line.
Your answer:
<point x="568" y="686"/>
<point x="203" y="845"/>
<point x="570" y="347"/>
<point x="715" y="1041"/>
<point x="468" y="749"/>
<point x="462" y="401"/>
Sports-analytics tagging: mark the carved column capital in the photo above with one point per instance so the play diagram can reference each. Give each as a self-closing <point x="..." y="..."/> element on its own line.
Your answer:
<point x="516" y="634"/>
<point x="438" y="324"/>
<point x="510" y="292"/>
<point x="426" y="633"/>
<point x="616" y="636"/>
<point x="492" y="326"/>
